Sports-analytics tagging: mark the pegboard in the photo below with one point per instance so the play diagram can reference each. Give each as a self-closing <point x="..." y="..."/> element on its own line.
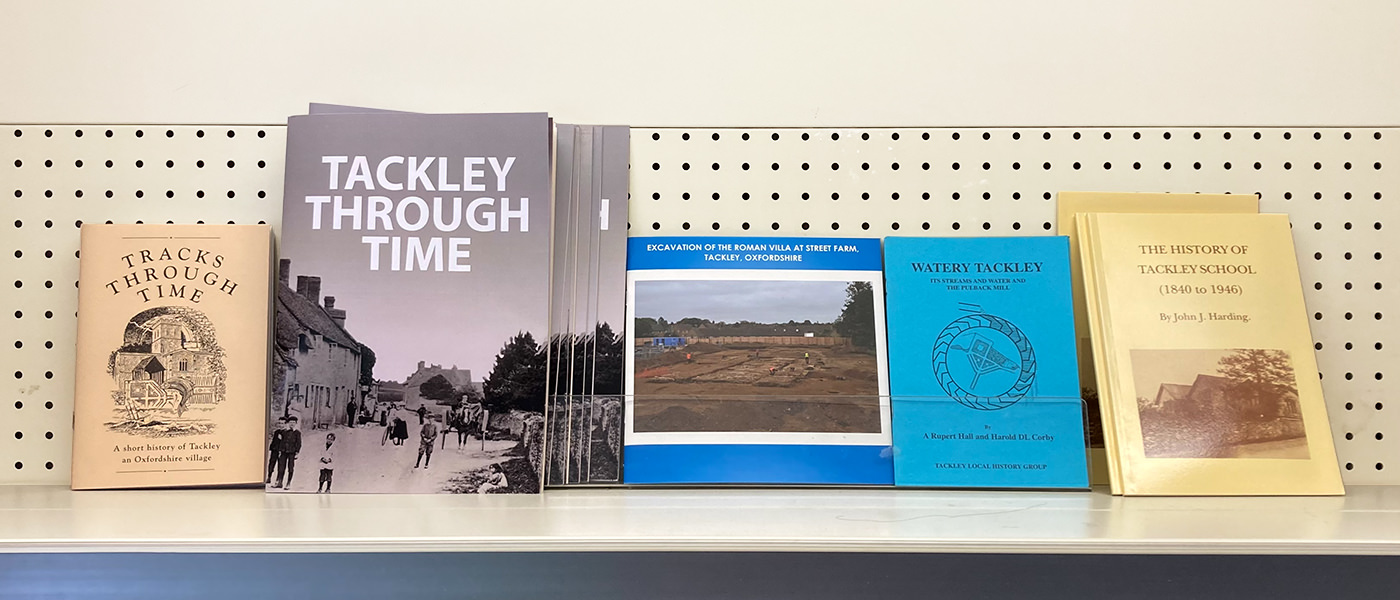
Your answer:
<point x="54" y="177"/>
<point x="1340" y="186"/>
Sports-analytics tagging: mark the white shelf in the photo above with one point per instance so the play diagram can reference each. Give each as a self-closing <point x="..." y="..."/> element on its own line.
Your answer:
<point x="54" y="519"/>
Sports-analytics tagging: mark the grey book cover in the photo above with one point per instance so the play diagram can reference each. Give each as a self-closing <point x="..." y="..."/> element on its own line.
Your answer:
<point x="590" y="272"/>
<point x="413" y="303"/>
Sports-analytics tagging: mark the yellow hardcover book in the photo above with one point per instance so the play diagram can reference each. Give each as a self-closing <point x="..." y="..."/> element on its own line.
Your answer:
<point x="172" y="355"/>
<point x="1107" y="471"/>
<point x="1209" y="360"/>
<point x="1068" y="204"/>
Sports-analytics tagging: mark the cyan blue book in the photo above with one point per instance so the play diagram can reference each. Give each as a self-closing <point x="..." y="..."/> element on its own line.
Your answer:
<point x="983" y="377"/>
<point x="756" y="360"/>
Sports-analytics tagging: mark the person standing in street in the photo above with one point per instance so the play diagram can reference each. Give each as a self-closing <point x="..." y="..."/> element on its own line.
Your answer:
<point x="274" y="449"/>
<point x="400" y="430"/>
<point x="427" y="436"/>
<point x="287" y="460"/>
<point x="350" y="413"/>
<point x="422" y="413"/>
<point x="327" y="464"/>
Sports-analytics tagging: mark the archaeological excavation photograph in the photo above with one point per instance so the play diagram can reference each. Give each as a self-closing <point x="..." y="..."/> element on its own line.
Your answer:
<point x="755" y="356"/>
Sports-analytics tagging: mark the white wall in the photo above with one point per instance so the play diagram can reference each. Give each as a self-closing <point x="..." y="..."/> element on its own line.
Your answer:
<point x="723" y="63"/>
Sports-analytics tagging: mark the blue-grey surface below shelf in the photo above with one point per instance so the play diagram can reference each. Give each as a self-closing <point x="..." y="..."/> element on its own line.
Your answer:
<point x="685" y="575"/>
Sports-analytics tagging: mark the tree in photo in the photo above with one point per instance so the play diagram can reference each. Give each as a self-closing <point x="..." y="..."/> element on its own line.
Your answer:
<point x="1262" y="382"/>
<point x="439" y="389"/>
<point x="367" y="360"/>
<point x="857" y="320"/>
<point x="517" y="380"/>
<point x="607" y="379"/>
<point x="645" y="326"/>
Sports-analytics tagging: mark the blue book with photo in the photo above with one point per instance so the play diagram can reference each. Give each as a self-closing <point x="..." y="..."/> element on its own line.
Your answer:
<point x="983" y="376"/>
<point x="756" y="360"/>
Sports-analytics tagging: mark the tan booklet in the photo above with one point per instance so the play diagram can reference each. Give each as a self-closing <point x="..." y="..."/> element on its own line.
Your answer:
<point x="172" y="354"/>
<point x="1068" y="204"/>
<point x="1205" y="358"/>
